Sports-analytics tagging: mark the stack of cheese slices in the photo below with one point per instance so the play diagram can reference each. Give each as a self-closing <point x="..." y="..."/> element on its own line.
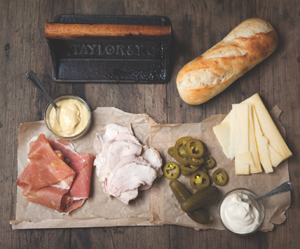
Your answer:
<point x="249" y="135"/>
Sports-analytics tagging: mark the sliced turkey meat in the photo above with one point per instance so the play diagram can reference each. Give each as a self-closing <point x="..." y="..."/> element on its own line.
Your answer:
<point x="123" y="164"/>
<point x="110" y="132"/>
<point x="125" y="197"/>
<point x="113" y="152"/>
<point x="130" y="173"/>
<point x="152" y="156"/>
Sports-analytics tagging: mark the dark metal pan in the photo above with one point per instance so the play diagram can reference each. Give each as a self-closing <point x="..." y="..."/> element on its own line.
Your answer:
<point x="109" y="49"/>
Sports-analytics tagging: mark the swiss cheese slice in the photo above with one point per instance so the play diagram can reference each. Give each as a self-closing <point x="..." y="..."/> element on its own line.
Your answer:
<point x="222" y="133"/>
<point x="275" y="157"/>
<point x="269" y="129"/>
<point x="262" y="145"/>
<point x="249" y="133"/>
<point x="252" y="144"/>
<point x="243" y="163"/>
<point x="243" y="124"/>
<point x="234" y="133"/>
<point x="238" y="137"/>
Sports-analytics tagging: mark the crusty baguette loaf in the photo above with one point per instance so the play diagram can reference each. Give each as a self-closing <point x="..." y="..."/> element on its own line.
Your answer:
<point x="212" y="72"/>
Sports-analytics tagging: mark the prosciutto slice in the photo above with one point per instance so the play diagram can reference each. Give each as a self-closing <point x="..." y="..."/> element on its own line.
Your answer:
<point x="123" y="164"/>
<point x="80" y="188"/>
<point x="49" y="180"/>
<point x="45" y="167"/>
<point x="68" y="151"/>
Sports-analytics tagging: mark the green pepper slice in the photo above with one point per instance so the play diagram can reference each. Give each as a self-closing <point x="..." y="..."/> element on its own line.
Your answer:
<point x="220" y="177"/>
<point x="182" y="152"/>
<point x="189" y="168"/>
<point x="171" y="170"/>
<point x="185" y="173"/>
<point x="180" y="147"/>
<point x="209" y="162"/>
<point x="171" y="151"/>
<point x="182" y="140"/>
<point x="195" y="161"/>
<point x="179" y="159"/>
<point x="203" y="169"/>
<point x="194" y="148"/>
<point x="199" y="180"/>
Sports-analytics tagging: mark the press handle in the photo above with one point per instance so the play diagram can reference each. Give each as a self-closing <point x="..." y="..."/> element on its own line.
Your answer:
<point x="81" y="31"/>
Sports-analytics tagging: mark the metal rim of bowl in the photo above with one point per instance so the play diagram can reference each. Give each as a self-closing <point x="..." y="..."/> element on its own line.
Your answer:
<point x="219" y="211"/>
<point x="79" y="134"/>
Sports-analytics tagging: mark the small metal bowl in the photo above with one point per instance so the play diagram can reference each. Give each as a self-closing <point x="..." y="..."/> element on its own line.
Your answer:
<point x="66" y="97"/>
<point x="258" y="205"/>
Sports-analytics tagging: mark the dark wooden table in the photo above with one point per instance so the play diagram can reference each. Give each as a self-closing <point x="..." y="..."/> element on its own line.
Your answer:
<point x="197" y="25"/>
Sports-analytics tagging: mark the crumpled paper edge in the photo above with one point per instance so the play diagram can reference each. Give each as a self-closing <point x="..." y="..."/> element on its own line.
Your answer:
<point x="77" y="223"/>
<point x="157" y="211"/>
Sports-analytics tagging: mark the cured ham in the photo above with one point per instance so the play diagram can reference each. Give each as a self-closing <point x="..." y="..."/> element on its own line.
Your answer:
<point x="57" y="176"/>
<point x="45" y="167"/>
<point x="123" y="164"/>
<point x="80" y="188"/>
<point x="68" y="151"/>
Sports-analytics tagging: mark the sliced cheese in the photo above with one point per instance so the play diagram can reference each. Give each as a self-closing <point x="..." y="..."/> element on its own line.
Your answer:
<point x="222" y="133"/>
<point x="243" y="163"/>
<point x="249" y="133"/>
<point x="234" y="134"/>
<point x="262" y="145"/>
<point x="275" y="157"/>
<point x="242" y="116"/>
<point x="252" y="144"/>
<point x="239" y="130"/>
<point x="268" y="128"/>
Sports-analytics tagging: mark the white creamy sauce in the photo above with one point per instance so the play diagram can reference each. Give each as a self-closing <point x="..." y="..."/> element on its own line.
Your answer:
<point x="238" y="216"/>
<point x="74" y="117"/>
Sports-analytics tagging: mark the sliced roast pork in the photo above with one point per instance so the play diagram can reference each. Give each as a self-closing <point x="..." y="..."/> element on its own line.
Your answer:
<point x="152" y="156"/>
<point x="123" y="164"/>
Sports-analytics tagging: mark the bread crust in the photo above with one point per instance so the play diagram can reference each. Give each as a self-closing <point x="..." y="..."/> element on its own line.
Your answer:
<point x="212" y="72"/>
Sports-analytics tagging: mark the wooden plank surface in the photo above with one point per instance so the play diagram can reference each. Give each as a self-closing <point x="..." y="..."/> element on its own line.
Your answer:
<point x="197" y="25"/>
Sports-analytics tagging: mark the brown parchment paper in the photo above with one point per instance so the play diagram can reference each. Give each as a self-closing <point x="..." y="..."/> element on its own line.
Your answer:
<point x="166" y="207"/>
<point x="98" y="210"/>
<point x="157" y="206"/>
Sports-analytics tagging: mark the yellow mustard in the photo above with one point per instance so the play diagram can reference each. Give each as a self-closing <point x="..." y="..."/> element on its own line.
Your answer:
<point x="74" y="117"/>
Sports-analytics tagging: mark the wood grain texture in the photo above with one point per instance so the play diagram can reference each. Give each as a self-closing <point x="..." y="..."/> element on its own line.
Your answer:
<point x="196" y="25"/>
<point x="23" y="48"/>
